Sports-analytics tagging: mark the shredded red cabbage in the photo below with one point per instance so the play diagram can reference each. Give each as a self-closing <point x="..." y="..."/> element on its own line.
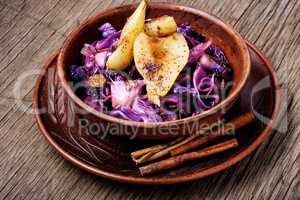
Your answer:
<point x="218" y="55"/>
<point x="107" y="30"/>
<point x="94" y="103"/>
<point x="77" y="73"/>
<point x="145" y="107"/>
<point x="95" y="55"/>
<point x="141" y="111"/>
<point x="124" y="95"/>
<point x="193" y="37"/>
<point x="107" y="42"/>
<point x="198" y="51"/>
<point x="128" y="114"/>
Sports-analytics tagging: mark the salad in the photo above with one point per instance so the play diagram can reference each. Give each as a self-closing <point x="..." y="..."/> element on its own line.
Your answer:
<point x="153" y="70"/>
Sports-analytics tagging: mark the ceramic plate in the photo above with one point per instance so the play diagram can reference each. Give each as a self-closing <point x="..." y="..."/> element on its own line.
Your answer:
<point x="109" y="156"/>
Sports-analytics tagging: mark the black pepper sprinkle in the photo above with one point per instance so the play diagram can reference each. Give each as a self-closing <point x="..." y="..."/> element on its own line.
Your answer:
<point x="151" y="67"/>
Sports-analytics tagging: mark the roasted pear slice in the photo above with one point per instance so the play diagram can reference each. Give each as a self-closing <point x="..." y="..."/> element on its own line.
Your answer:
<point x="123" y="55"/>
<point x="160" y="27"/>
<point x="159" y="61"/>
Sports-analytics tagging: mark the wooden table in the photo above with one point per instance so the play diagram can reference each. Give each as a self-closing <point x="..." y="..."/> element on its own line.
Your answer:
<point x="30" y="30"/>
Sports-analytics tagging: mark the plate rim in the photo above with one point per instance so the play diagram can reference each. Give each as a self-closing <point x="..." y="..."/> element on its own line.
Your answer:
<point x="165" y="180"/>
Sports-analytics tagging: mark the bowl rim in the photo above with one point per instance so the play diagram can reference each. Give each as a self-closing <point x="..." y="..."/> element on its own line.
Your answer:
<point x="165" y="180"/>
<point x="230" y="98"/>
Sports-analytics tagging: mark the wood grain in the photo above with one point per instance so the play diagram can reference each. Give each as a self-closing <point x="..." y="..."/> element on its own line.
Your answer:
<point x="31" y="29"/>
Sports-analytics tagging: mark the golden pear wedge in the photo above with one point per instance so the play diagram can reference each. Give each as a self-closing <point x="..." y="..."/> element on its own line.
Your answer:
<point x="161" y="27"/>
<point x="160" y="61"/>
<point x="123" y="55"/>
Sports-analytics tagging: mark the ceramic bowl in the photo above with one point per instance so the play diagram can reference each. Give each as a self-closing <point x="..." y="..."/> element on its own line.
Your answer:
<point x="221" y="34"/>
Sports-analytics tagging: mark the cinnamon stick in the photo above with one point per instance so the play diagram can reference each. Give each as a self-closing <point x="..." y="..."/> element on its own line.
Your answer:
<point x="151" y="153"/>
<point x="155" y="148"/>
<point x="158" y="151"/>
<point x="155" y="155"/>
<point x="193" y="144"/>
<point x="180" y="159"/>
<point x="234" y="124"/>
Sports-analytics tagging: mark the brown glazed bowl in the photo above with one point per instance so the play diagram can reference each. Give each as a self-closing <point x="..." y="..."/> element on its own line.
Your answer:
<point x="221" y="34"/>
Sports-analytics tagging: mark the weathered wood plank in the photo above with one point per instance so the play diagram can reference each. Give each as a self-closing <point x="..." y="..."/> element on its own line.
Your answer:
<point x="25" y="47"/>
<point x="32" y="8"/>
<point x="65" y="16"/>
<point x="13" y="31"/>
